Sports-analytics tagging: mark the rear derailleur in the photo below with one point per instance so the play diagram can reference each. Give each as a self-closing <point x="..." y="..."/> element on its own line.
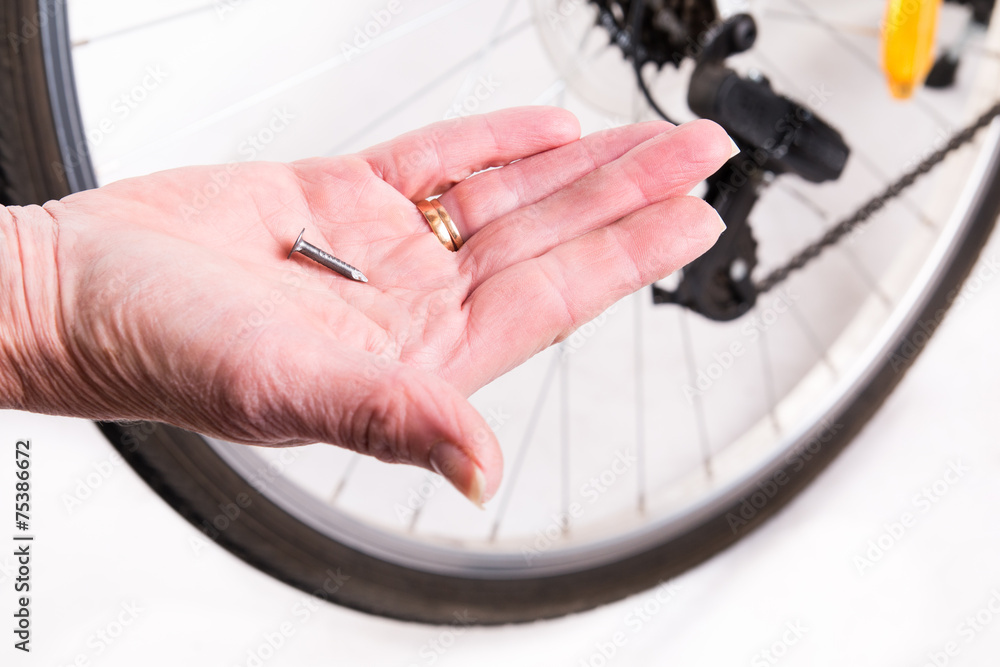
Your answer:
<point x="776" y="135"/>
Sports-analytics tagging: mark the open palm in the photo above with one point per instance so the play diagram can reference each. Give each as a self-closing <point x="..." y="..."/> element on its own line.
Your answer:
<point x="176" y="302"/>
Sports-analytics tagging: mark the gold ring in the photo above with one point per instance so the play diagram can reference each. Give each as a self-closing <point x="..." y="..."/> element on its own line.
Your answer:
<point x="449" y="224"/>
<point x="437" y="225"/>
<point x="441" y="224"/>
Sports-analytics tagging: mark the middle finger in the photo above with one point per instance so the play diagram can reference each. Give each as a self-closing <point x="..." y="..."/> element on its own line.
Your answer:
<point x="666" y="166"/>
<point x="481" y="199"/>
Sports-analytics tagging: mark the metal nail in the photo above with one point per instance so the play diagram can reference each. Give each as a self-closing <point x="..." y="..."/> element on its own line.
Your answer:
<point x="326" y="259"/>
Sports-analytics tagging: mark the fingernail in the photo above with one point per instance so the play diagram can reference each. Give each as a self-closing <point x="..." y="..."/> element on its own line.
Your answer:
<point x="453" y="464"/>
<point x="736" y="149"/>
<point x="722" y="222"/>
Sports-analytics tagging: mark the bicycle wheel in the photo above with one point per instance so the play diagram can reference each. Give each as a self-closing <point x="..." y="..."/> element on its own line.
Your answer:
<point x="672" y="435"/>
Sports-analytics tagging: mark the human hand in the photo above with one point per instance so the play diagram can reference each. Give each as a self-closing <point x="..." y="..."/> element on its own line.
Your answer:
<point x="169" y="297"/>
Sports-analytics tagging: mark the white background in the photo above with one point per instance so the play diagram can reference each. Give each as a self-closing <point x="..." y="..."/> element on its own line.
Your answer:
<point x="123" y="549"/>
<point x="124" y="546"/>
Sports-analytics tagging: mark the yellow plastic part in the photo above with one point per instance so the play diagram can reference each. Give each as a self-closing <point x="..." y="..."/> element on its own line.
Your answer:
<point x="908" y="43"/>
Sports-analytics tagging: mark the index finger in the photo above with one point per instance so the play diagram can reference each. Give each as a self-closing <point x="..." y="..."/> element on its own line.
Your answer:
<point x="430" y="160"/>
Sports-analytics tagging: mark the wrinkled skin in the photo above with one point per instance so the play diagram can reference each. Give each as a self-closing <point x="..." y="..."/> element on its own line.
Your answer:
<point x="169" y="297"/>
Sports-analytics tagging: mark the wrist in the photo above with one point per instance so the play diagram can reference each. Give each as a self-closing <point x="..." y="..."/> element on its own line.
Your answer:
<point x="30" y="345"/>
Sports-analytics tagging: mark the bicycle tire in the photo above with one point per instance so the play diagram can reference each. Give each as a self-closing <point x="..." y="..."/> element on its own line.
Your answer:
<point x="43" y="156"/>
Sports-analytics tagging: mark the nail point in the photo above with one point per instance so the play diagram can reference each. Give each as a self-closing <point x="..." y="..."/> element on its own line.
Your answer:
<point x="326" y="259"/>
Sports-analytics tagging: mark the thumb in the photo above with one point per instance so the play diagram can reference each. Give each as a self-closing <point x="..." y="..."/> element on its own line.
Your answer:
<point x="399" y="414"/>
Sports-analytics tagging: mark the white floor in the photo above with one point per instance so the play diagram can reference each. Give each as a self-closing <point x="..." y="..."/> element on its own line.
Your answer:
<point x="119" y="579"/>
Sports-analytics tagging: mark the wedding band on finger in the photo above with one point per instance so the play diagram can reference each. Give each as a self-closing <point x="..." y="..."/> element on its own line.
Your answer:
<point x="449" y="224"/>
<point x="437" y="225"/>
<point x="441" y="224"/>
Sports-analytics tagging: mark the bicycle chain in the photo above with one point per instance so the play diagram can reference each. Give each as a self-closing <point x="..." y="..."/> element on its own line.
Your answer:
<point x="863" y="214"/>
<point x="845" y="226"/>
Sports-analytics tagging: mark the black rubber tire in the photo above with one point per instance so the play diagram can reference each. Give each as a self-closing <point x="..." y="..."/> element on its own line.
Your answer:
<point x="184" y="470"/>
<point x="43" y="151"/>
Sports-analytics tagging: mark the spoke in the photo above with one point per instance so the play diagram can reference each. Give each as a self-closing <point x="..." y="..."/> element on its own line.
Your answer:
<point x="564" y="424"/>
<point x="483" y="55"/>
<point x="857" y="29"/>
<point x="145" y="24"/>
<point x="867" y="278"/>
<point x="640" y="406"/>
<point x="981" y="52"/>
<point x="555" y="89"/>
<point x="526" y="440"/>
<point x="348" y="471"/>
<point x="424" y="90"/>
<point x="802" y="199"/>
<point x="770" y="394"/>
<point x="813" y="339"/>
<point x="824" y="218"/>
<point x="863" y="158"/>
<point x="640" y="105"/>
<point x="428" y="480"/>
<point x="811" y="15"/>
<point x="699" y="409"/>
<point x="558" y="87"/>
<point x="561" y="99"/>
<point x="294" y="81"/>
<point x="904" y="199"/>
